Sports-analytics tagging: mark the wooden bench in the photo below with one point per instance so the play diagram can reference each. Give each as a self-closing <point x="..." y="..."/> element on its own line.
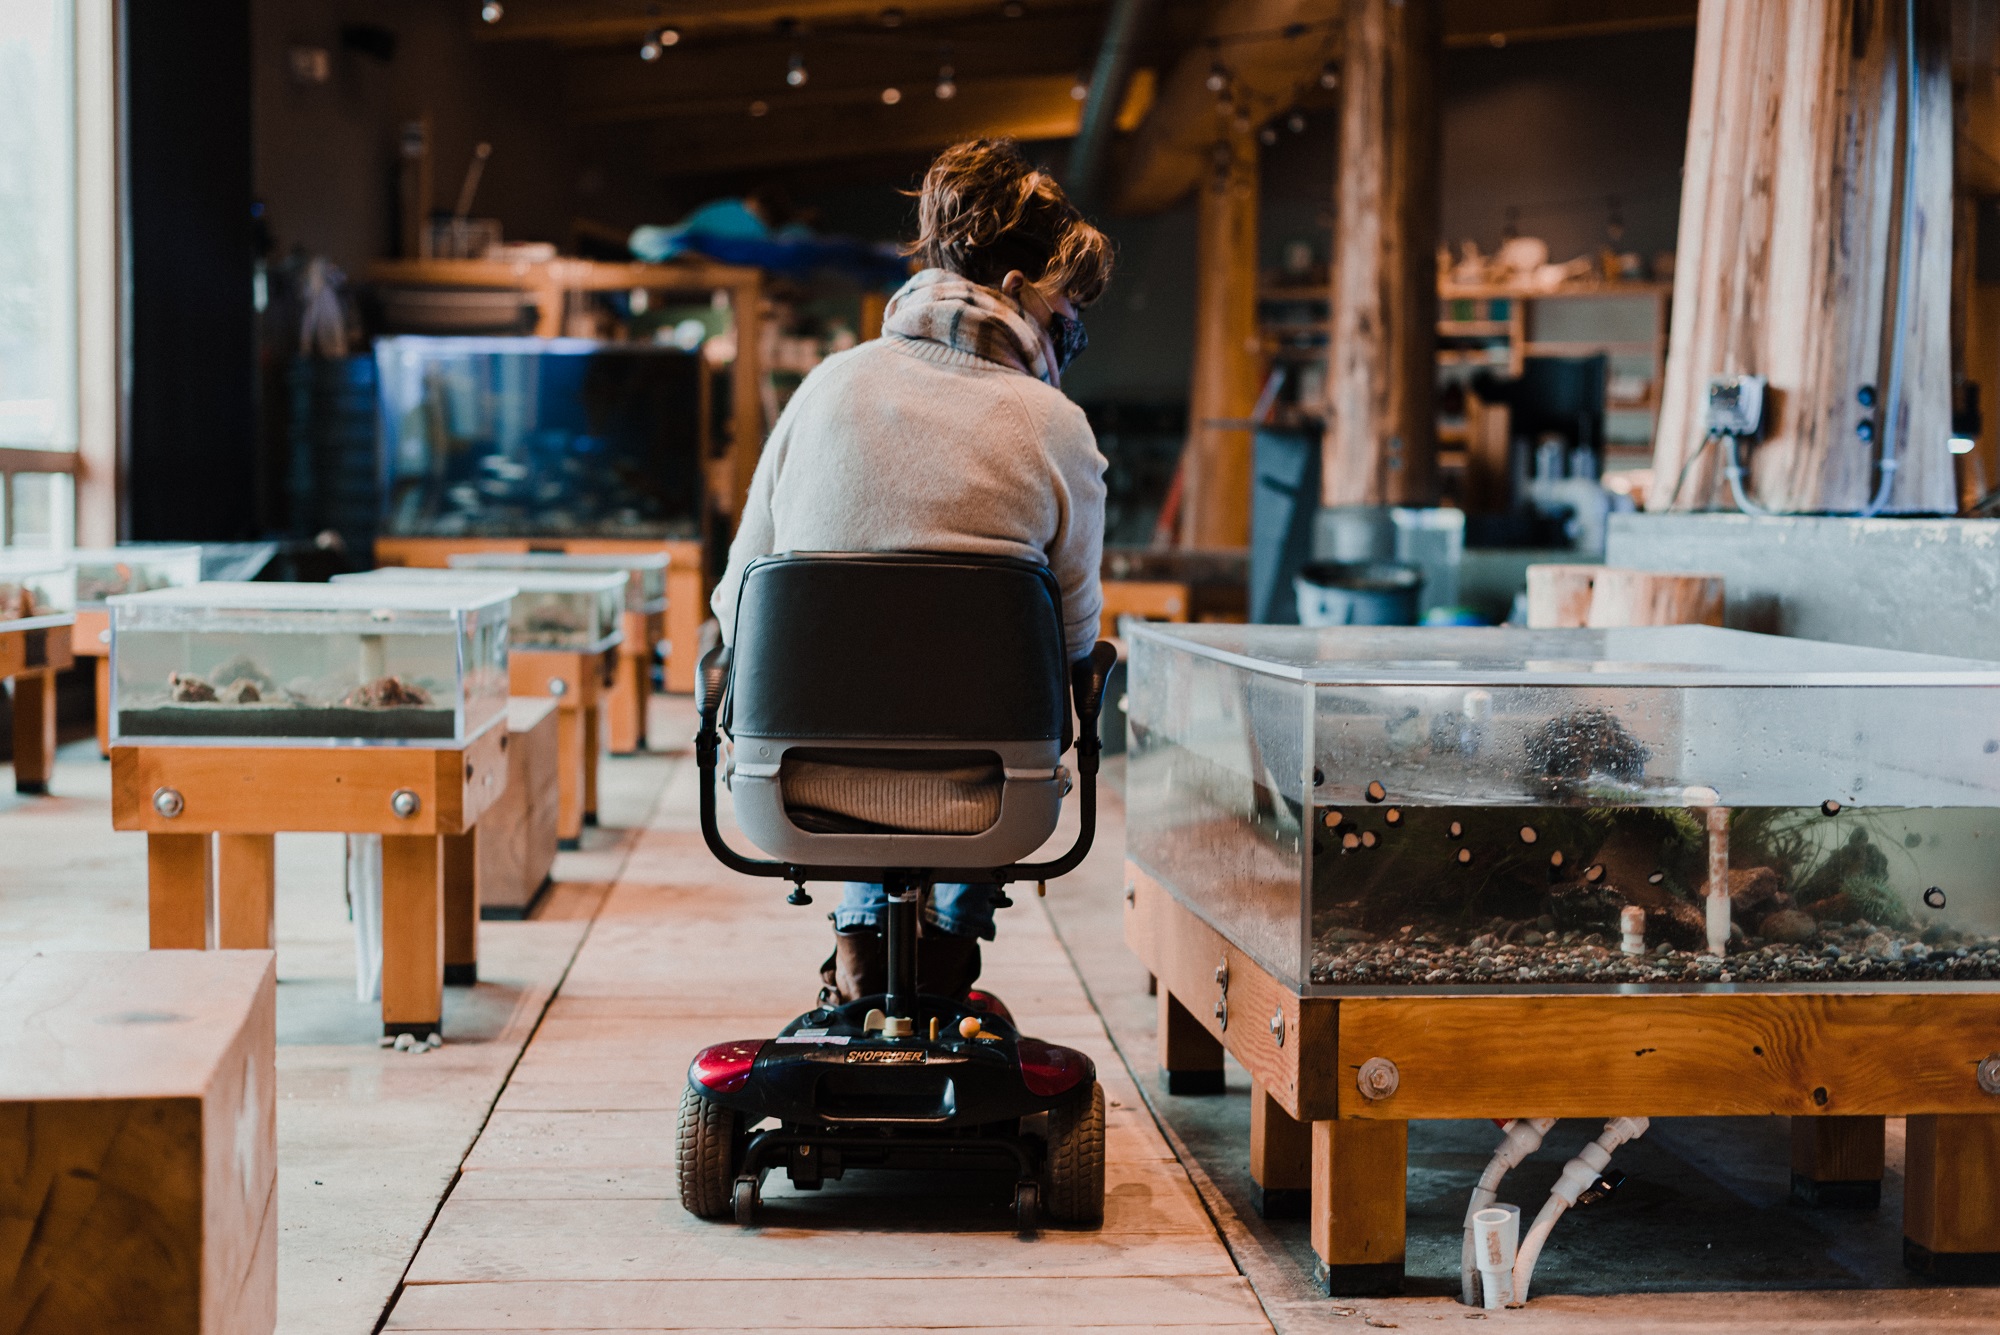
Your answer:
<point x="517" y="844"/>
<point x="138" y="1115"/>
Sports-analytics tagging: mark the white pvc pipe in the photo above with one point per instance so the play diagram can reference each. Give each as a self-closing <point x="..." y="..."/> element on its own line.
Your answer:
<point x="1522" y="1137"/>
<point x="1497" y="1231"/>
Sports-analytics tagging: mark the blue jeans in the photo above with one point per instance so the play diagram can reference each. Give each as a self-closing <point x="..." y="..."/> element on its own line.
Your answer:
<point x="962" y="910"/>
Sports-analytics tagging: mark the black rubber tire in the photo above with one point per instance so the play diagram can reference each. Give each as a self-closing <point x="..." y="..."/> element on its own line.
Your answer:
<point x="1027" y="1202"/>
<point x="705" y="1156"/>
<point x="1073" y="1173"/>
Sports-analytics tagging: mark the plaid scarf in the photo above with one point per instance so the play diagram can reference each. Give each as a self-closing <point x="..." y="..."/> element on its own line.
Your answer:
<point x="944" y="308"/>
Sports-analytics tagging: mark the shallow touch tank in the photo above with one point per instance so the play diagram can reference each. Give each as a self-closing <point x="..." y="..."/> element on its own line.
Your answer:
<point x="105" y="572"/>
<point x="34" y="585"/>
<point x="577" y="611"/>
<point x="1453" y="808"/>
<point x="291" y="664"/>
<point x="516" y="436"/>
<point x="647" y="571"/>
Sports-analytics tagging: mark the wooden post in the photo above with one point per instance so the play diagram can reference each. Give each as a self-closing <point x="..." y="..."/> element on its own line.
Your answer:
<point x="687" y="608"/>
<point x="1786" y="262"/>
<point x="593" y="750"/>
<point x="1222" y="392"/>
<point x="1359" y="1169"/>
<point x="412" y="935"/>
<point x="246" y="887"/>
<point x="461" y="908"/>
<point x="177" y="874"/>
<point x="34" y="731"/>
<point x="746" y="389"/>
<point x="625" y="711"/>
<point x="570" y="758"/>
<point x="104" y="705"/>
<point x="1280" y="1159"/>
<point x="1190" y="1056"/>
<point x="1837" y="1162"/>
<point x="1951" y="1210"/>
<point x="1381" y="429"/>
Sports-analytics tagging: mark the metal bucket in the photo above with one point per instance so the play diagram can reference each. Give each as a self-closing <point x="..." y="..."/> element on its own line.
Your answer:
<point x="1359" y="593"/>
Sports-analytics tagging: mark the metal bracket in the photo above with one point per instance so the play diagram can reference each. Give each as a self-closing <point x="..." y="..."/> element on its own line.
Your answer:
<point x="1222" y="993"/>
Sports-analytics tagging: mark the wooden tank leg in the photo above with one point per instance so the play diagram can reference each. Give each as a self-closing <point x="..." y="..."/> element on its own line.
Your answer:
<point x="593" y="751"/>
<point x="626" y="709"/>
<point x="34" y="731"/>
<point x="177" y="873"/>
<point x="461" y="909"/>
<point x="1951" y="1197"/>
<point x="569" y="792"/>
<point x="1190" y="1056"/>
<point x="104" y="705"/>
<point x="685" y="610"/>
<point x="412" y="935"/>
<point x="1837" y="1162"/>
<point x="1358" y="1183"/>
<point x="246" y="888"/>
<point x="1280" y="1159"/>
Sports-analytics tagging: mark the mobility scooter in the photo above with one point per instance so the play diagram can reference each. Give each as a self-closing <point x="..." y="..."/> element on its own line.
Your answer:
<point x="897" y="718"/>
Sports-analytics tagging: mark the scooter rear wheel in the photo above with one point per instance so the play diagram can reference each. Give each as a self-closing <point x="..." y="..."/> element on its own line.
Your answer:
<point x="1073" y="1173"/>
<point x="705" y="1153"/>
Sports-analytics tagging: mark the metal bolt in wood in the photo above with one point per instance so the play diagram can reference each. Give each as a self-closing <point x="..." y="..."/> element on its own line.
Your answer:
<point x="405" y="803"/>
<point x="1377" y="1079"/>
<point x="168" y="802"/>
<point x="1989" y="1074"/>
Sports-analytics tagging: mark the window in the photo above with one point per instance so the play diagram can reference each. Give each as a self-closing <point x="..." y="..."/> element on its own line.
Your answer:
<point x="38" y="225"/>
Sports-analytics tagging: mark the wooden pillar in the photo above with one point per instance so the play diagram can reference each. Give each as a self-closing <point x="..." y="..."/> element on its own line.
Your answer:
<point x="1837" y="1162"/>
<point x="1381" y="421"/>
<point x="1359" y="1167"/>
<point x="1280" y="1159"/>
<point x="1786" y="261"/>
<point x="412" y="935"/>
<point x="246" y="889"/>
<point x="1190" y="1056"/>
<point x="1215" y="476"/>
<point x="1951" y="1197"/>
<point x="34" y="731"/>
<point x="461" y="908"/>
<point x="746" y="390"/>
<point x="177" y="874"/>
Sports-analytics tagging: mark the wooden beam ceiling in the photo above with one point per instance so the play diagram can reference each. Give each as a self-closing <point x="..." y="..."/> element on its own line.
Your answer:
<point x="626" y="22"/>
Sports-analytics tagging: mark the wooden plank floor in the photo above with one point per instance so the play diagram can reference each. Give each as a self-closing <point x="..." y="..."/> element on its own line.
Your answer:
<point x="566" y="1218"/>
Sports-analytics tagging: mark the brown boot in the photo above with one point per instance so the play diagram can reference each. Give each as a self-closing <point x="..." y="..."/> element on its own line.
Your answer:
<point x="858" y="966"/>
<point x="947" y="964"/>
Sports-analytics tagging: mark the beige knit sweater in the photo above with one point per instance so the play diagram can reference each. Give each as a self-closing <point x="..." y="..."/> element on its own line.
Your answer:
<point x="904" y="444"/>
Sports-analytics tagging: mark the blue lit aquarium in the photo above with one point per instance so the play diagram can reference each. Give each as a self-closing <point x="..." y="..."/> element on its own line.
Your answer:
<point x="510" y="437"/>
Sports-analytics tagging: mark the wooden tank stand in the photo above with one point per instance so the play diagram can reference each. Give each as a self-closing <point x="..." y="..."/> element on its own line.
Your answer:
<point x="632" y="683"/>
<point x="92" y="639"/>
<point x="1836" y="1062"/>
<point x="32" y="656"/>
<point x="211" y="813"/>
<point x="575" y="681"/>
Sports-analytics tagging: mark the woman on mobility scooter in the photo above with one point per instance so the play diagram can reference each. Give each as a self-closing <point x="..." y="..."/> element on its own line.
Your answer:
<point x="897" y="683"/>
<point x="950" y="433"/>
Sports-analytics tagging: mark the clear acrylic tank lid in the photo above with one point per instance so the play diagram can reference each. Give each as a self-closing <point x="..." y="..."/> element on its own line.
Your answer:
<point x="1452" y="808"/>
<point x="579" y="611"/>
<point x="307" y="664"/>
<point x="37" y="588"/>
<point x="647" y="570"/>
<point x="105" y="572"/>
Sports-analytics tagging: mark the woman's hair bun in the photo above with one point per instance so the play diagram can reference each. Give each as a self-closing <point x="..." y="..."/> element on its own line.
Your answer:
<point x="984" y="210"/>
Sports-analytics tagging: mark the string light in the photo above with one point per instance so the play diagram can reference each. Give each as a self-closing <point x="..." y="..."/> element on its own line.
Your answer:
<point x="649" y="50"/>
<point x="891" y="96"/>
<point x="760" y="107"/>
<point x="491" y="11"/>
<point x="1268" y="135"/>
<point x="947" y="86"/>
<point x="668" y="36"/>
<point x="1329" y="76"/>
<point x="1079" y="89"/>
<point x="1296" y="122"/>
<point x="1218" y="77"/>
<point x="795" y="70"/>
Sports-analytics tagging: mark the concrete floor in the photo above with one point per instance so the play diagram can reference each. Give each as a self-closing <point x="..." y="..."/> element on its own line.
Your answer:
<point x="379" y="1151"/>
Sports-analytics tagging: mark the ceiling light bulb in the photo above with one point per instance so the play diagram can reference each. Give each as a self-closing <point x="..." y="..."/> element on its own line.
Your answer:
<point x="947" y="86"/>
<point x="650" y="48"/>
<point x="491" y="11"/>
<point x="1296" y="122"/>
<point x="891" y="96"/>
<point x="1329" y="75"/>
<point x="892" y="17"/>
<point x="1013" y="9"/>
<point x="668" y="36"/>
<point x="1268" y="135"/>
<point x="1218" y="77"/>
<point x="759" y="107"/>
<point x="795" y="71"/>
<point x="1079" y="90"/>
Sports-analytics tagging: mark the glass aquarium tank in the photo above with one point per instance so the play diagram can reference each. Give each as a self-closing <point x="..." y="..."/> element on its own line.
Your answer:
<point x="551" y="609"/>
<point x="301" y="664"/>
<point x="1370" y="808"/>
<point x="105" y="572"/>
<point x="646" y="571"/>
<point x="521" y="436"/>
<point x="37" y="588"/>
